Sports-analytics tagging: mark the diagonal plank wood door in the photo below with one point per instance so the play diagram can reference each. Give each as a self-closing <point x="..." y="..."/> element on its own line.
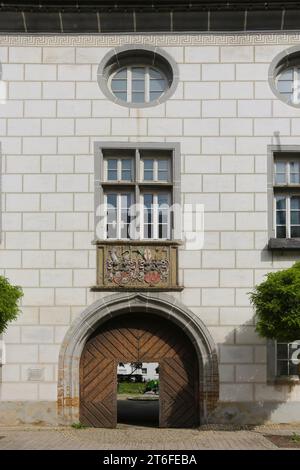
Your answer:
<point x="139" y="338"/>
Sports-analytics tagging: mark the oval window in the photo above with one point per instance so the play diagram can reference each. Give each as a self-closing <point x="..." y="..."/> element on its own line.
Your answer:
<point x="284" y="76"/>
<point x="138" y="77"/>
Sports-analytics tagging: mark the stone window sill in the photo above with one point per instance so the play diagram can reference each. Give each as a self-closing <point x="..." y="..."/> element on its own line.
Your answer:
<point x="284" y="244"/>
<point x="287" y="380"/>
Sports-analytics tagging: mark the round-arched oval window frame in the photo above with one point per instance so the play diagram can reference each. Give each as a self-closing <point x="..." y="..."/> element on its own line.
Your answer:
<point x="160" y="72"/>
<point x="286" y="61"/>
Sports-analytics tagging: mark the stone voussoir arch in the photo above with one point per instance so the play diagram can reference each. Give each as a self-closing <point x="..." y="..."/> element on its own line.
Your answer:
<point x="123" y="303"/>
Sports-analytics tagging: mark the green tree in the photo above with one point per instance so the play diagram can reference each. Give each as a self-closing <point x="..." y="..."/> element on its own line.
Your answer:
<point x="9" y="302"/>
<point x="277" y="305"/>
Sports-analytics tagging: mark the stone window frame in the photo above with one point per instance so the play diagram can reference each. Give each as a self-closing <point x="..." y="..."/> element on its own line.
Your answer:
<point x="173" y="147"/>
<point x="137" y="54"/>
<point x="278" y="243"/>
<point x="290" y="57"/>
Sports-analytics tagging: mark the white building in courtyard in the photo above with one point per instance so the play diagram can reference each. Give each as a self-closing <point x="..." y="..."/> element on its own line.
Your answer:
<point x="192" y="104"/>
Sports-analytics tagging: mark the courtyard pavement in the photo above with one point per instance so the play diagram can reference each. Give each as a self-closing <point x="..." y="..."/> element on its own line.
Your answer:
<point x="138" y="437"/>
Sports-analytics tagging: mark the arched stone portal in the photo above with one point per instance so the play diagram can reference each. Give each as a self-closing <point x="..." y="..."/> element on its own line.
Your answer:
<point x="111" y="306"/>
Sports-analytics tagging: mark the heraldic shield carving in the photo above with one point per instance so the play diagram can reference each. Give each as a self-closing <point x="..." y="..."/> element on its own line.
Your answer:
<point x="137" y="266"/>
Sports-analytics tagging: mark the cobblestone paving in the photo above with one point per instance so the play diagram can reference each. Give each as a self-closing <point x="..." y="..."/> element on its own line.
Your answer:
<point x="129" y="437"/>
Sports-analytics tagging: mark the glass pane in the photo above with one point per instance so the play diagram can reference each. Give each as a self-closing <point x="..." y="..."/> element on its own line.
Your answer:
<point x="281" y="231"/>
<point x="138" y="73"/>
<point x="280" y="178"/>
<point x="163" y="170"/>
<point x="148" y="170"/>
<point x="285" y="86"/>
<point x="138" y="97"/>
<point x="154" y="73"/>
<point x="163" y="164"/>
<point x="111" y="230"/>
<point x="280" y="173"/>
<point x="286" y="74"/>
<point x="148" y="216"/>
<point x="295" y="217"/>
<point x="280" y="167"/>
<point x="148" y="231"/>
<point x="163" y="199"/>
<point x="154" y="95"/>
<point x="291" y="349"/>
<point x="295" y="231"/>
<point x="295" y="172"/>
<point x="126" y="163"/>
<point x="111" y="216"/>
<point x="148" y="200"/>
<point x="280" y="218"/>
<point x="295" y="178"/>
<point x="148" y="164"/>
<point x="157" y="85"/>
<point x="121" y="95"/>
<point x="282" y="368"/>
<point x="163" y="176"/>
<point x="126" y="169"/>
<point x="280" y="203"/>
<point x="294" y="167"/>
<point x="111" y="199"/>
<point x="112" y="172"/>
<point x="121" y="74"/>
<point x="282" y="350"/>
<point x="163" y="231"/>
<point x="138" y="85"/>
<point x="125" y="200"/>
<point x="125" y="218"/>
<point x="295" y="202"/>
<point x="293" y="368"/>
<point x="118" y="85"/>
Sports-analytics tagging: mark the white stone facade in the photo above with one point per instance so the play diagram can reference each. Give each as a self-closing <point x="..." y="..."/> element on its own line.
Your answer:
<point x="224" y="115"/>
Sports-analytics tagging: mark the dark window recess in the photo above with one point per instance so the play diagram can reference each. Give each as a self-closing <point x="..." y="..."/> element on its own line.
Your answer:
<point x="11" y="22"/>
<point x="291" y="19"/>
<point x="263" y="20"/>
<point x="116" y="22"/>
<point x="227" y="20"/>
<point x="79" y="22"/>
<point x="190" y="21"/>
<point x="42" y="22"/>
<point x="153" y="21"/>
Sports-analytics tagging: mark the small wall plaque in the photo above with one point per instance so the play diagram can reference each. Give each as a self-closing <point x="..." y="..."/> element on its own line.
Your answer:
<point x="36" y="375"/>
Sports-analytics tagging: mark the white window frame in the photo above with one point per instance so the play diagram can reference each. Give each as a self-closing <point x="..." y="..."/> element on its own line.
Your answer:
<point x="119" y="212"/>
<point x="129" y="82"/>
<point x="155" y="223"/>
<point x="287" y="197"/>
<point x="287" y="164"/>
<point x="155" y="169"/>
<point x="119" y="169"/>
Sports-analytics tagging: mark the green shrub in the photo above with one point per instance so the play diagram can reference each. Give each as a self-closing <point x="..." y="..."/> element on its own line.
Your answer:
<point x="277" y="305"/>
<point x="9" y="302"/>
<point x="78" y="426"/>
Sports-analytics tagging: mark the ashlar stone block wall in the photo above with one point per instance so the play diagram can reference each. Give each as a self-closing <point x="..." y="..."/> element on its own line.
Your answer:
<point x="223" y="114"/>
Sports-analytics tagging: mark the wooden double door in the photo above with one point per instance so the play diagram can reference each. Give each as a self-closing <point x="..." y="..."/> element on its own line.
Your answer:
<point x="139" y="337"/>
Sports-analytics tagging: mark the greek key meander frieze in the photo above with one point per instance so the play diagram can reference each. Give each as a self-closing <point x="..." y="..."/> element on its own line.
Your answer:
<point x="166" y="39"/>
<point x="137" y="266"/>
